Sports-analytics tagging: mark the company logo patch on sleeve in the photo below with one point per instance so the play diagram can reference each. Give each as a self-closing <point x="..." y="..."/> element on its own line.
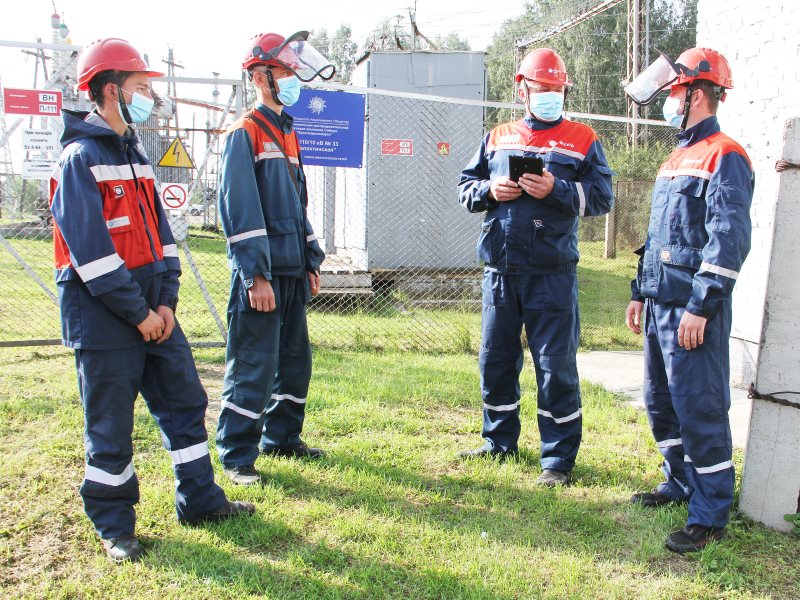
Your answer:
<point x="119" y="191"/>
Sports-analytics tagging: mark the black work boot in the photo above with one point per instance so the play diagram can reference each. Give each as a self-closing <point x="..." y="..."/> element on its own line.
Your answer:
<point x="123" y="548"/>
<point x="554" y="478"/>
<point x="654" y="499"/>
<point x="243" y="475"/>
<point x="226" y="511"/>
<point x="487" y="451"/>
<point x="299" y="450"/>
<point x="693" y="538"/>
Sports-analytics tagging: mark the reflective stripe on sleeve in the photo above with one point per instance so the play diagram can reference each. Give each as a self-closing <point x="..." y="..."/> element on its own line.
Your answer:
<point x="566" y="419"/>
<point x="99" y="267"/>
<point x="581" y="198"/>
<point x="719" y="270"/>
<point x="246" y="235"/>
<point x="170" y="250"/>
<point x="502" y="408"/>
<point x="121" y="172"/>
<point x="185" y="455"/>
<point x="106" y="478"/>
<point x="242" y="411"/>
<point x="311" y="238"/>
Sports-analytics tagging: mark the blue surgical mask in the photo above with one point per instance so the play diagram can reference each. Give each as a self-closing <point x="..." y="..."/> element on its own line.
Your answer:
<point x="546" y="106"/>
<point x="139" y="109"/>
<point x="670" y="110"/>
<point x="288" y="90"/>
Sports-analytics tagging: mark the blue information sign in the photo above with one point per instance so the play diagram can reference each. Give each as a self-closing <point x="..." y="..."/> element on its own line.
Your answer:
<point x="330" y="126"/>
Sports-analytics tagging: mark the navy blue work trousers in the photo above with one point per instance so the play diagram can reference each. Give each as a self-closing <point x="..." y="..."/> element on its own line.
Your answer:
<point x="687" y="397"/>
<point x="109" y="382"/>
<point x="267" y="372"/>
<point x="547" y="306"/>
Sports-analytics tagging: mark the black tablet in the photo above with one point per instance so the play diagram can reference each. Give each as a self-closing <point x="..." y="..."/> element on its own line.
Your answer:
<point x="517" y="165"/>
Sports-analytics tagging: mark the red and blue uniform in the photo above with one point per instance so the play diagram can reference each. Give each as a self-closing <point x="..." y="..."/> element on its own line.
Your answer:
<point x="115" y="260"/>
<point x="530" y="250"/>
<point x="697" y="241"/>
<point x="268" y="357"/>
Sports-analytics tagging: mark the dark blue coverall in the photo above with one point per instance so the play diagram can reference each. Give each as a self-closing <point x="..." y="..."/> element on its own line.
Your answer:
<point x="697" y="241"/>
<point x="530" y="251"/>
<point x="116" y="259"/>
<point x="268" y="359"/>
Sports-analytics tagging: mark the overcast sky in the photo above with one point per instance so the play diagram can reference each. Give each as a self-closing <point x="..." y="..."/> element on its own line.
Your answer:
<point x="213" y="39"/>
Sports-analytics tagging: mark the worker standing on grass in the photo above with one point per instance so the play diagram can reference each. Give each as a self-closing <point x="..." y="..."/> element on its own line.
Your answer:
<point x="117" y="271"/>
<point x="529" y="245"/>
<point x="275" y="259"/>
<point x="698" y="238"/>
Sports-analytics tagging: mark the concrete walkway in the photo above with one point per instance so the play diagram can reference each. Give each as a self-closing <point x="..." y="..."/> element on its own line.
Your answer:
<point x="622" y="372"/>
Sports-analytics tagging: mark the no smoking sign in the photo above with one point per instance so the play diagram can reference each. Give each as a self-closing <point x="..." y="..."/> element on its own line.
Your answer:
<point x="174" y="196"/>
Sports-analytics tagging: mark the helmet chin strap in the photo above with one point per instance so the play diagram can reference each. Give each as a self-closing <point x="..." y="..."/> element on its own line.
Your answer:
<point x="272" y="87"/>
<point x="686" y="106"/>
<point x="123" y="108"/>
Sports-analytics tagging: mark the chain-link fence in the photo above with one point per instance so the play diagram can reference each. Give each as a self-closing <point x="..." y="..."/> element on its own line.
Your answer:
<point x="401" y="270"/>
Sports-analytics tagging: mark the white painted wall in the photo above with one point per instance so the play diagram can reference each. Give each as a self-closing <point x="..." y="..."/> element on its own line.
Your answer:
<point x="761" y="41"/>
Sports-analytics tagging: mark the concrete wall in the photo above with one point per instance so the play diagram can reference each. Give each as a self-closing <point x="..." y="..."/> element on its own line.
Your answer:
<point x="762" y="42"/>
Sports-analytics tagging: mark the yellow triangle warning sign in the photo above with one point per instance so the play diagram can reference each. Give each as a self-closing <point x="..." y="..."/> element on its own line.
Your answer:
<point x="176" y="156"/>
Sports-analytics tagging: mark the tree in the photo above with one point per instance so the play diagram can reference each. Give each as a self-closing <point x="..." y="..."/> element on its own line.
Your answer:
<point x="451" y="42"/>
<point x="343" y="53"/>
<point x="594" y="50"/>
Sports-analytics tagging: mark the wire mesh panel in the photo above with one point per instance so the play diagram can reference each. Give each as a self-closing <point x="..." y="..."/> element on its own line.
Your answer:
<point x="401" y="270"/>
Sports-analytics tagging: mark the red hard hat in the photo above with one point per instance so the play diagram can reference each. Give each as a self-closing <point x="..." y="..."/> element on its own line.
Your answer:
<point x="110" y="54"/>
<point x="545" y="66"/>
<point x="265" y="42"/>
<point x="704" y="64"/>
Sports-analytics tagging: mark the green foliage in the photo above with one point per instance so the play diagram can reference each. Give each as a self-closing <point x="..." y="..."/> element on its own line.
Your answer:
<point x="594" y="51"/>
<point x="389" y="513"/>
<point x="635" y="164"/>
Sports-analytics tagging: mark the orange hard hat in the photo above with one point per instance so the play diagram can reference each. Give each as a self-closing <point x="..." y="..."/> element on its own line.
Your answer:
<point x="703" y="64"/>
<point x="545" y="66"/>
<point x="110" y="54"/>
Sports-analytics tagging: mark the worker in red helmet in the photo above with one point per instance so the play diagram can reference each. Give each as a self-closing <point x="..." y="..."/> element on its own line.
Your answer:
<point x="529" y="246"/>
<point x="275" y="260"/>
<point x="698" y="238"/>
<point x="117" y="272"/>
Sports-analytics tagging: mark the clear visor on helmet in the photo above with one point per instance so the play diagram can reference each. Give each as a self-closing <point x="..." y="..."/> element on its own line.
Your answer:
<point x="300" y="57"/>
<point x="644" y="89"/>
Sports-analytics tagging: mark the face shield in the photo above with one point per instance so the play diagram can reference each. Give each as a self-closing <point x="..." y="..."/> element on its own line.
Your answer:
<point x="644" y="89"/>
<point x="299" y="56"/>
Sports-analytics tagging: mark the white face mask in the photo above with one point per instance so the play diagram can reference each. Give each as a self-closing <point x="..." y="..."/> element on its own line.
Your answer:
<point x="546" y="106"/>
<point x="670" y="110"/>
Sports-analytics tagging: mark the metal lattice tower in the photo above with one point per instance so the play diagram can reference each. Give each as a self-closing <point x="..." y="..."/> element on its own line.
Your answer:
<point x="638" y="57"/>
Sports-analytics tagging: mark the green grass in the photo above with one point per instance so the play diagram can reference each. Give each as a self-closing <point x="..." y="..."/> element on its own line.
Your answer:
<point x="390" y="513"/>
<point x="386" y="323"/>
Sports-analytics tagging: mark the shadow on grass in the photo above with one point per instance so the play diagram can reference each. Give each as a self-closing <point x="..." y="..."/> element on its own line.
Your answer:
<point x="293" y="567"/>
<point x="539" y="517"/>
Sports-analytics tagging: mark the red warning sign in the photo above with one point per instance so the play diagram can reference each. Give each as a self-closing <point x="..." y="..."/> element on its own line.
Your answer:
<point x="443" y="148"/>
<point x="44" y="103"/>
<point x="397" y="147"/>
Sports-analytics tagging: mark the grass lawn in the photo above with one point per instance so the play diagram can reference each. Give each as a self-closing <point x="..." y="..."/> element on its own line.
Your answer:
<point x="385" y="323"/>
<point x="390" y="513"/>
